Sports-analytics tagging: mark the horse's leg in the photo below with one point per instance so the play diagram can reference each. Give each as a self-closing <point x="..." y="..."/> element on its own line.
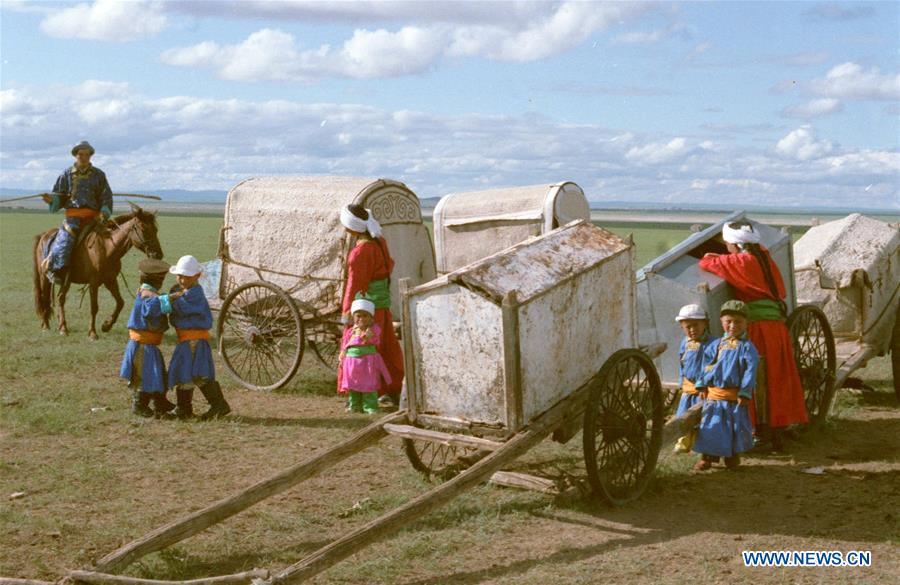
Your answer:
<point x="61" y="301"/>
<point x="112" y="285"/>
<point x="95" y="307"/>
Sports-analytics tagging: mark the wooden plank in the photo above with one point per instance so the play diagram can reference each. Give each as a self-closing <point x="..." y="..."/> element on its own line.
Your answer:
<point x="512" y="370"/>
<point x="857" y="360"/>
<point x="393" y="521"/>
<point x="106" y="579"/>
<point x="680" y="425"/>
<point x="525" y="481"/>
<point x="15" y="581"/>
<point x="408" y="354"/>
<point x="202" y="519"/>
<point x="411" y="432"/>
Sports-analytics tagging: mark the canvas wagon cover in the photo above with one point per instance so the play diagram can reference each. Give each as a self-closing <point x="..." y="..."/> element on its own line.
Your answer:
<point x="471" y="225"/>
<point x="287" y="231"/>
<point x="852" y="268"/>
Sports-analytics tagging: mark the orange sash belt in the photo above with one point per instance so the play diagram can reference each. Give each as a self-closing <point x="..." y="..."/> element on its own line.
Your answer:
<point x="192" y="334"/>
<point x="83" y="213"/>
<point x="147" y="337"/>
<point x="688" y="387"/>
<point x="730" y="394"/>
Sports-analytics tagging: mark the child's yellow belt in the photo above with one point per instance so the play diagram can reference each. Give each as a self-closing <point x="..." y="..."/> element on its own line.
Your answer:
<point x="146" y="337"/>
<point x="730" y="394"/>
<point x="688" y="387"/>
<point x="192" y="334"/>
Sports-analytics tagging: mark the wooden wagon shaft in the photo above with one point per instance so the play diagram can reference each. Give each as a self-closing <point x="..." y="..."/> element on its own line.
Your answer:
<point x="857" y="360"/>
<point x="680" y="425"/>
<point x="393" y="521"/>
<point x="411" y="432"/>
<point x="215" y="513"/>
<point x="246" y="577"/>
<point x="14" y="581"/>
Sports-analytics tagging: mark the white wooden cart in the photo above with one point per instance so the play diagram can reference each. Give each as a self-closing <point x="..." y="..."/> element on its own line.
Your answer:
<point x="536" y="340"/>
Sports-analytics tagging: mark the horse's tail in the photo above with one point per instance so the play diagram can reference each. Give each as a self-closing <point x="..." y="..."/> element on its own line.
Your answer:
<point x="43" y="300"/>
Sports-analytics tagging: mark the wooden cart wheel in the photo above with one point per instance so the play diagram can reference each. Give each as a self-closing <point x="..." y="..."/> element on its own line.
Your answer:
<point x="438" y="461"/>
<point x="260" y="336"/>
<point x="327" y="351"/>
<point x="815" y="356"/>
<point x="623" y="422"/>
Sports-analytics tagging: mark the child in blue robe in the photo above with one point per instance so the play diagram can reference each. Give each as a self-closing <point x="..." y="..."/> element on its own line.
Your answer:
<point x="695" y="324"/>
<point x="143" y="364"/>
<point x="192" y="362"/>
<point x="727" y="382"/>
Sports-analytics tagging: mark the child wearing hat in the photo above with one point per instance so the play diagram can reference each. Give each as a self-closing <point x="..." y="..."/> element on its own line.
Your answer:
<point x="192" y="361"/>
<point x="694" y="323"/>
<point x="729" y="379"/>
<point x="142" y="364"/>
<point x="362" y="367"/>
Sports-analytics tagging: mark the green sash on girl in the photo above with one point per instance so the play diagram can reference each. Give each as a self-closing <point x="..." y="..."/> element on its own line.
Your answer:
<point x="764" y="310"/>
<point x="380" y="293"/>
<point x="356" y="351"/>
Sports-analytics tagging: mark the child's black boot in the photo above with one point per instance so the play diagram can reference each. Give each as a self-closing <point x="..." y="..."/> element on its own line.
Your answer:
<point x="184" y="398"/>
<point x="140" y="404"/>
<point x="161" y="405"/>
<point x="218" y="406"/>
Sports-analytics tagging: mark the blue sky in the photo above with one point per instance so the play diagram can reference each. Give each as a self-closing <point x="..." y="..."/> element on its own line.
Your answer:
<point x="782" y="103"/>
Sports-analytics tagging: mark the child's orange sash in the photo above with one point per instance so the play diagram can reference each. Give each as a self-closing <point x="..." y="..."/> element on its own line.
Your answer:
<point x="688" y="387"/>
<point x="730" y="394"/>
<point x="192" y="334"/>
<point x="82" y="213"/>
<point x="146" y="337"/>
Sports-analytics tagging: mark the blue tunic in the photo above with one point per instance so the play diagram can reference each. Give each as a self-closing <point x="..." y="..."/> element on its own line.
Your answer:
<point x="192" y="361"/>
<point x="690" y="367"/>
<point x="76" y="189"/>
<point x="146" y="315"/>
<point x="725" y="429"/>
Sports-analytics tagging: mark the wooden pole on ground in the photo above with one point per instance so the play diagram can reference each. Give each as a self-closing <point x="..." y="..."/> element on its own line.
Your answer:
<point x="201" y="520"/>
<point x="105" y="579"/>
<point x="15" y="581"/>
<point x="395" y="520"/>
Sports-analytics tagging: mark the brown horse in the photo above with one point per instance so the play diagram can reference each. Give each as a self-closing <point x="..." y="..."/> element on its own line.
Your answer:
<point x="96" y="260"/>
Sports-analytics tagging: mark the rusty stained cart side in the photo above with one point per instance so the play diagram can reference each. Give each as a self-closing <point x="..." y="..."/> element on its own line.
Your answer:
<point x="675" y="279"/>
<point x="523" y="394"/>
<point x="283" y="272"/>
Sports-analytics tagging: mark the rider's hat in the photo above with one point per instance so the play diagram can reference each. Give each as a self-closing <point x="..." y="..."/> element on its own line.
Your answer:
<point x="152" y="266"/>
<point x="80" y="145"/>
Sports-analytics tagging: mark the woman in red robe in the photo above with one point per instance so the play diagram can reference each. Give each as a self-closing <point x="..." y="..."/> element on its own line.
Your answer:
<point x="756" y="280"/>
<point x="369" y="267"/>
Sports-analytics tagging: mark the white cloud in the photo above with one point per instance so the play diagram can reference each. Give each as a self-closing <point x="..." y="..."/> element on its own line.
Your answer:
<point x="803" y="145"/>
<point x="814" y="108"/>
<point x="199" y="143"/>
<point x="107" y="20"/>
<point x="658" y="152"/>
<point x="275" y="55"/>
<point x="851" y="81"/>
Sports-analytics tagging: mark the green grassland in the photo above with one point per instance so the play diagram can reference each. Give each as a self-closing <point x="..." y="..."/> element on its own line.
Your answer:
<point x="93" y="477"/>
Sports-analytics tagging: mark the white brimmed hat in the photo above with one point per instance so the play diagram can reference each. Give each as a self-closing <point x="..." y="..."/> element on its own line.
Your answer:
<point x="691" y="312"/>
<point x="363" y="305"/>
<point x="187" y="266"/>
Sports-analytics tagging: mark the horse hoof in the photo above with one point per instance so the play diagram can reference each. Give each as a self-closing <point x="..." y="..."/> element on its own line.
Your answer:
<point x="106" y="327"/>
<point x="93" y="336"/>
<point x="63" y="332"/>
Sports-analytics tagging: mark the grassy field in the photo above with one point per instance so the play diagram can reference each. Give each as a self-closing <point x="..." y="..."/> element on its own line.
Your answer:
<point x="88" y="476"/>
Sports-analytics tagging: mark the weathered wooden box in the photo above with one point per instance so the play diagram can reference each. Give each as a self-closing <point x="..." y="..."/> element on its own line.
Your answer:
<point x="675" y="279"/>
<point x="496" y="343"/>
<point x="470" y="226"/>
<point x="851" y="269"/>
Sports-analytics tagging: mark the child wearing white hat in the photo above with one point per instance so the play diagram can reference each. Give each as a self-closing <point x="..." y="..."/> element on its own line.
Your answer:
<point x="362" y="367"/>
<point x="192" y="362"/>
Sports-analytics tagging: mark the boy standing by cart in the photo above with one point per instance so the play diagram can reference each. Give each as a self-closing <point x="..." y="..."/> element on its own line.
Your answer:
<point x="192" y="362"/>
<point x="729" y="380"/>
<point x="142" y="364"/>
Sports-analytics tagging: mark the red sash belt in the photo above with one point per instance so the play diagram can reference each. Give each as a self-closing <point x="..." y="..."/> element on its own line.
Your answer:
<point x="83" y="213"/>
<point x="192" y="334"/>
<point x="147" y="337"/>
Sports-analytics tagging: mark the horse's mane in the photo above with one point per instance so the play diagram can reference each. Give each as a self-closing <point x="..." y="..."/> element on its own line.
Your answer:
<point x="119" y="219"/>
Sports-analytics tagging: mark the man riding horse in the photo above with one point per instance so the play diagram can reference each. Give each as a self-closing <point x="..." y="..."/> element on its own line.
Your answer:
<point x="83" y="191"/>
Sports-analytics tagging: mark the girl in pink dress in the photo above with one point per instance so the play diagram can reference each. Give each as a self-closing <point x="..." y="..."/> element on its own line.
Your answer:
<point x="362" y="367"/>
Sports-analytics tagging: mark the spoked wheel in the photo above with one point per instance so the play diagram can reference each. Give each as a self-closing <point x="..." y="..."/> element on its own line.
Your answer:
<point x="439" y="461"/>
<point x="623" y="423"/>
<point x="815" y="356"/>
<point x="324" y="337"/>
<point x="260" y="336"/>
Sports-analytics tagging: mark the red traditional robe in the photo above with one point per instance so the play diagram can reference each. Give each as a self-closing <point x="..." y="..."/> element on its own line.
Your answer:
<point x="771" y="338"/>
<point x="366" y="262"/>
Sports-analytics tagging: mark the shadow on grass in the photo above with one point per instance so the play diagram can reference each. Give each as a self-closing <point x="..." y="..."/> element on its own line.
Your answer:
<point x="307" y="422"/>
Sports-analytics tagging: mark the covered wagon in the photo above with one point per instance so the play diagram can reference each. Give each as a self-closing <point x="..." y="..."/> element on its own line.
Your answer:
<point x="851" y="269"/>
<point x="284" y="254"/>
<point x="469" y="226"/>
<point x="675" y="279"/>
